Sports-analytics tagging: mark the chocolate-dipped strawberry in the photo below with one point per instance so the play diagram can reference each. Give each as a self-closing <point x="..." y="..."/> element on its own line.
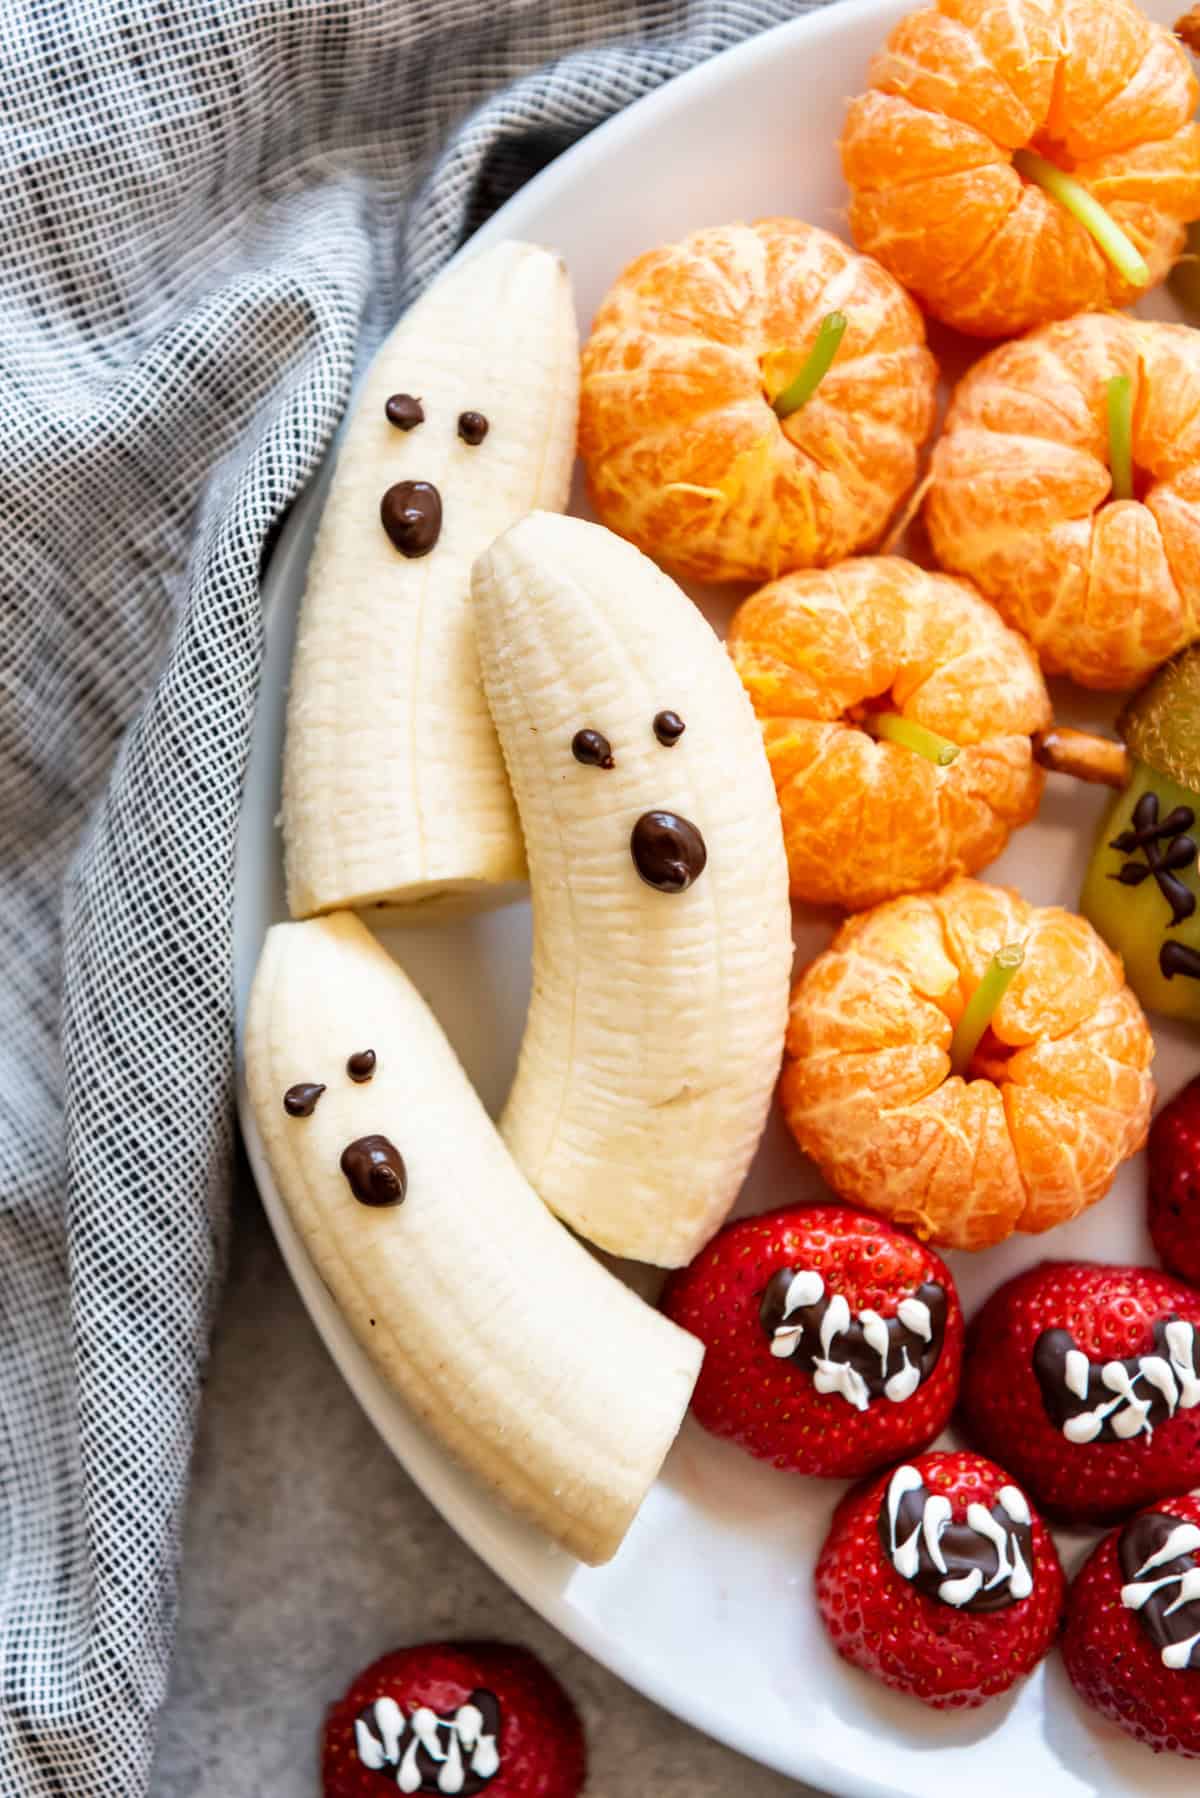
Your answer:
<point x="833" y="1340"/>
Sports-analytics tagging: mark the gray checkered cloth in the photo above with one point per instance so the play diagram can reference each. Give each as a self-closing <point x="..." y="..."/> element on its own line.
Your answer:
<point x="208" y="208"/>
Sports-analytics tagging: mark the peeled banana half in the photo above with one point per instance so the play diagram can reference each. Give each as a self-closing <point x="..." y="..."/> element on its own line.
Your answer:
<point x="662" y="928"/>
<point x="517" y="1349"/>
<point x="394" y="791"/>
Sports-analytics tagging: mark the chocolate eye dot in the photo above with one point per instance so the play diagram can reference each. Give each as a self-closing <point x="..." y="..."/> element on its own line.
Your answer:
<point x="300" y="1101"/>
<point x="592" y="749"/>
<point x="668" y="728"/>
<point x="405" y="412"/>
<point x="472" y="428"/>
<point x="361" y="1066"/>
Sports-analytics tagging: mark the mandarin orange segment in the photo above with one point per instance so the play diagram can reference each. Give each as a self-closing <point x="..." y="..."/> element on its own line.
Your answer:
<point x="820" y="653"/>
<point x="1058" y="1095"/>
<point x="1020" y="494"/>
<point x="1092" y="85"/>
<point x="684" y="452"/>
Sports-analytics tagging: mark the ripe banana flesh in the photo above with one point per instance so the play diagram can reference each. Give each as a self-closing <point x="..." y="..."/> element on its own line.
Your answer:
<point x="546" y="1376"/>
<point x="394" y="789"/>
<point x="656" y="1025"/>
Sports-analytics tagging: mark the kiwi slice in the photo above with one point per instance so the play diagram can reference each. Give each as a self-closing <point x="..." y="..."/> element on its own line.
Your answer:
<point x="1161" y="723"/>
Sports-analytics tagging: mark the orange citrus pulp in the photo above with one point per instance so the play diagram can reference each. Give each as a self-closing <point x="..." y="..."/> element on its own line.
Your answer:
<point x="1058" y="1094"/>
<point x="686" y="456"/>
<point x="821" y="653"/>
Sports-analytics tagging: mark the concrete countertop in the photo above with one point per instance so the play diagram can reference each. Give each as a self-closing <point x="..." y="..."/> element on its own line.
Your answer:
<point x="308" y="1552"/>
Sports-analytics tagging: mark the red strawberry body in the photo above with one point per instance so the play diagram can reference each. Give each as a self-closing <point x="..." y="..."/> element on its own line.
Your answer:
<point x="509" y="1726"/>
<point x="1114" y="1651"/>
<point x="951" y="1655"/>
<point x="1173" y="1181"/>
<point x="734" y="1298"/>
<point x="1019" y="1404"/>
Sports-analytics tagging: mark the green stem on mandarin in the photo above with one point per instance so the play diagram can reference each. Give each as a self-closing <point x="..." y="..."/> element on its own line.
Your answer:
<point x="1118" y="400"/>
<point x="799" y="391"/>
<point x="1108" y="235"/>
<point x="895" y="729"/>
<point x="981" y="1006"/>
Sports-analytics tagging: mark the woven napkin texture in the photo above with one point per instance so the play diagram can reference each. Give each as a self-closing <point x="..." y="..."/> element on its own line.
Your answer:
<point x="210" y="208"/>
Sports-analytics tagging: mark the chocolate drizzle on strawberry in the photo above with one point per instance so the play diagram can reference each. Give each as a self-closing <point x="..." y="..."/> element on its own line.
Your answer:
<point x="436" y="1752"/>
<point x="1159" y="1557"/>
<point x="1113" y="1401"/>
<point x="983" y="1564"/>
<point x="1166" y="850"/>
<point x="863" y="1356"/>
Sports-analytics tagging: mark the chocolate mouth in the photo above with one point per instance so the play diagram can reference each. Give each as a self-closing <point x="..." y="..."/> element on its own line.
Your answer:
<point x="411" y="514"/>
<point x="1159" y="1557"/>
<point x="375" y="1170"/>
<point x="983" y="1564"/>
<point x="668" y="851"/>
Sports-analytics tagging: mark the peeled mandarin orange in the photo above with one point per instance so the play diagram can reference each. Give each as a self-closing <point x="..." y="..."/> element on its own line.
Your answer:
<point x="686" y="456"/>
<point x="1093" y="86"/>
<point x="1020" y="499"/>
<point x="1058" y="1093"/>
<point x="825" y="653"/>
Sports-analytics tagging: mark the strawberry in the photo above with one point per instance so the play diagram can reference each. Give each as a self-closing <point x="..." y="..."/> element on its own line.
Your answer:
<point x="1132" y="1642"/>
<point x="833" y="1340"/>
<point x="941" y="1580"/>
<point x="1085" y="1380"/>
<point x="1173" y="1182"/>
<point x="454" y="1717"/>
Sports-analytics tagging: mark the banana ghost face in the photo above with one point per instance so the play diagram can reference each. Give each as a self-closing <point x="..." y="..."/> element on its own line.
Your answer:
<point x="668" y="851"/>
<point x="561" y="1390"/>
<point x="394" y="791"/>
<point x="662" y="931"/>
<point x="373" y="1165"/>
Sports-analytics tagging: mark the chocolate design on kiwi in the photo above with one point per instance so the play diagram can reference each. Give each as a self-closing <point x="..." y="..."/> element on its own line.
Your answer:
<point x="1177" y="958"/>
<point x="1166" y="850"/>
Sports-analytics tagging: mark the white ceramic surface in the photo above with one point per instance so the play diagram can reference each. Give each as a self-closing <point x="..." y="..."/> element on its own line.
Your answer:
<point x="707" y="1607"/>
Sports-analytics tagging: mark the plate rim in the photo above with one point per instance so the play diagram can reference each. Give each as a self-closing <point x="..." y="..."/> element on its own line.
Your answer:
<point x="492" y="1541"/>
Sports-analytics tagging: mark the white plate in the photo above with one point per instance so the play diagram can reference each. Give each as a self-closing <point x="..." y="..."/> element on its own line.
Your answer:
<point x="707" y="1607"/>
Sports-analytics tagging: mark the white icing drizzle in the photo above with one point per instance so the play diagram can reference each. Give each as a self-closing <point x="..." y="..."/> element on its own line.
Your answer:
<point x="384" y="1752"/>
<point x="1014" y="1502"/>
<point x="914" y="1315"/>
<point x="840" y="1377"/>
<point x="835" y="1322"/>
<point x="464" y="1734"/>
<point x="1183" y="1540"/>
<point x="1076" y="1372"/>
<point x="902" y="1385"/>
<point x="808" y="1288"/>
<point x="875" y="1334"/>
<point x="906" y="1554"/>
<point x="1128" y="1412"/>
<point x="936" y="1514"/>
